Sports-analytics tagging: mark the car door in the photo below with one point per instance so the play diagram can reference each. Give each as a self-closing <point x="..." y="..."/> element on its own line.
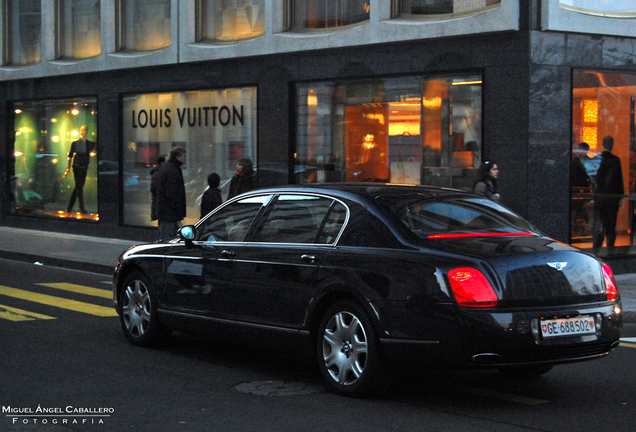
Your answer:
<point x="200" y="274"/>
<point x="275" y="269"/>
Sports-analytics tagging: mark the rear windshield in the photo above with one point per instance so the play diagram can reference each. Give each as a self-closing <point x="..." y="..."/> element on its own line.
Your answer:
<point x="428" y="218"/>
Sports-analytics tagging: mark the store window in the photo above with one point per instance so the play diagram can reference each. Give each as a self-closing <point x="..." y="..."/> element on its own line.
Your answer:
<point x="417" y="130"/>
<point x="603" y="171"/>
<point x="216" y="127"/>
<point x="230" y="21"/>
<point x="613" y="8"/>
<point x="22" y="30"/>
<point x="45" y="134"/>
<point x="143" y="25"/>
<point x="79" y="29"/>
<point x="435" y="8"/>
<point x="326" y="14"/>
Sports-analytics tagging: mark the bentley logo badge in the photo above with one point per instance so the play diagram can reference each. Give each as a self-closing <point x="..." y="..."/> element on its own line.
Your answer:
<point x="558" y="265"/>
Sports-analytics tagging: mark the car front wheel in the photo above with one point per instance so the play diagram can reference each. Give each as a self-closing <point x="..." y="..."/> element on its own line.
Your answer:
<point x="349" y="352"/>
<point x="138" y="316"/>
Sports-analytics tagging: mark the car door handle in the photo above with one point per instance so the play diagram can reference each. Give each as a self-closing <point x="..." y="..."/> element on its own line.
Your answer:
<point x="228" y="253"/>
<point x="310" y="258"/>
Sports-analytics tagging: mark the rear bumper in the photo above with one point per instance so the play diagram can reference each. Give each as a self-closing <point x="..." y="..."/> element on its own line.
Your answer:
<point x="491" y="339"/>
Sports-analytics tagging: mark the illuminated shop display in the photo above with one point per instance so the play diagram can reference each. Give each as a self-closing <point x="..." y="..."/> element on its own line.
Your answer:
<point x="44" y="132"/>
<point x="603" y="104"/>
<point x="216" y="127"/>
<point x="401" y="130"/>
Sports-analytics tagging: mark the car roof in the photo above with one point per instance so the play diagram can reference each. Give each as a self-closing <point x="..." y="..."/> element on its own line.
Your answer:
<point x="365" y="190"/>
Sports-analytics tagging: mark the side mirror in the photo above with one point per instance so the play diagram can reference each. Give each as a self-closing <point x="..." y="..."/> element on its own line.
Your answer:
<point x="187" y="233"/>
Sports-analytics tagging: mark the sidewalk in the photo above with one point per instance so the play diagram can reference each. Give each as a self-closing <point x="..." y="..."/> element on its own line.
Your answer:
<point x="99" y="255"/>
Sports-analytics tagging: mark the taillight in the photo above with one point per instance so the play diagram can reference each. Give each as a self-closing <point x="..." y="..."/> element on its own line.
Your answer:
<point x="610" y="283"/>
<point x="471" y="288"/>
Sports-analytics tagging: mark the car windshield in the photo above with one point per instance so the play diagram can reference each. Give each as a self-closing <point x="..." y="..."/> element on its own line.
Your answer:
<point x="454" y="217"/>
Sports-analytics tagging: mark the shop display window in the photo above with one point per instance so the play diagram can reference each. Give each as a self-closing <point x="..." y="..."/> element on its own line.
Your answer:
<point x="79" y="29"/>
<point x="22" y="29"/>
<point x="326" y="14"/>
<point x="216" y="127"/>
<point x="143" y="25"/>
<point x="413" y="130"/>
<point x="604" y="106"/>
<point x="610" y="8"/>
<point x="44" y="133"/>
<point x="230" y="21"/>
<point x="434" y="8"/>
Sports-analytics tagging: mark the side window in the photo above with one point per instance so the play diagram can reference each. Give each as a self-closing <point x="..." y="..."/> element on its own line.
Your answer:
<point x="231" y="222"/>
<point x="294" y="219"/>
<point x="333" y="224"/>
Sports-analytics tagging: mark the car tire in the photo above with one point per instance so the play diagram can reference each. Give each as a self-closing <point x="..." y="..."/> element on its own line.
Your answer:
<point x="530" y="371"/>
<point x="138" y="317"/>
<point x="349" y="353"/>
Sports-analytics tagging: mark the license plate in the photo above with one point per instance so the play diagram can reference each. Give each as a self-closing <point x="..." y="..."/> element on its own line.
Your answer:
<point x="568" y="326"/>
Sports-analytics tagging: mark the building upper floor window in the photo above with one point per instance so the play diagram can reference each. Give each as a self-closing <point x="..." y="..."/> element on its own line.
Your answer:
<point x="326" y="14"/>
<point x="610" y="8"/>
<point x="79" y="29"/>
<point x="143" y="25"/>
<point x="434" y="8"/>
<point x="22" y="44"/>
<point x="230" y="21"/>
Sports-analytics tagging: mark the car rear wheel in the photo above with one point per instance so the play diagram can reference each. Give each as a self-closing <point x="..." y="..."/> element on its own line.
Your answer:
<point x="138" y="316"/>
<point x="349" y="352"/>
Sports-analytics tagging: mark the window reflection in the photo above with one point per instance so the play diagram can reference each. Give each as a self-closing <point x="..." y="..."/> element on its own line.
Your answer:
<point x="614" y="8"/>
<point x="423" y="8"/>
<point x="144" y="25"/>
<point x="23" y="22"/>
<point x="327" y="14"/>
<point x="224" y="21"/>
<point x="44" y="134"/>
<point x="80" y="29"/>
<point x="404" y="130"/>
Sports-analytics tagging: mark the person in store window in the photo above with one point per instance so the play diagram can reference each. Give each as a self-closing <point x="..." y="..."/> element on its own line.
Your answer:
<point x="79" y="157"/>
<point x="607" y="195"/>
<point x="486" y="181"/>
<point x="245" y="178"/>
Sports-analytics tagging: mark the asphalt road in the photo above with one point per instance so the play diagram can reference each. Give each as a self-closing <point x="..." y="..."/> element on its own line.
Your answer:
<point x="71" y="369"/>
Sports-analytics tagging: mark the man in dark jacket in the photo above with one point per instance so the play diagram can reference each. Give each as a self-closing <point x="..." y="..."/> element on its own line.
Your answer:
<point x="608" y="195"/>
<point x="171" y="196"/>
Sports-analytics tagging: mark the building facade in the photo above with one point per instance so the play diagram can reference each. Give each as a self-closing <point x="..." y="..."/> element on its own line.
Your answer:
<point x="405" y="91"/>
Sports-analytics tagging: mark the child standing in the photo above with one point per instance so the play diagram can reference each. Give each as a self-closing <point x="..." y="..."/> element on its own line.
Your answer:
<point x="212" y="197"/>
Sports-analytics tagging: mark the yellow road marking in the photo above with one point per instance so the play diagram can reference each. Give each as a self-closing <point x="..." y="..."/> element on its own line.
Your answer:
<point x="629" y="345"/>
<point x="14" y="314"/>
<point x="503" y="396"/>
<point x="58" y="302"/>
<point x="81" y="289"/>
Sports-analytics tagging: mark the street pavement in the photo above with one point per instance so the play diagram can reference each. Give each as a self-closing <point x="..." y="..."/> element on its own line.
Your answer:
<point x="99" y="255"/>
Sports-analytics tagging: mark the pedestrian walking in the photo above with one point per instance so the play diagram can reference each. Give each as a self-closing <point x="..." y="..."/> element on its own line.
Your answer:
<point x="245" y="178"/>
<point x="171" y="197"/>
<point x="486" y="181"/>
<point x="212" y="197"/>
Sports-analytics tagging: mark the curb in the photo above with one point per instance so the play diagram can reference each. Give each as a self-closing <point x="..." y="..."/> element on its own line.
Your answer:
<point x="58" y="262"/>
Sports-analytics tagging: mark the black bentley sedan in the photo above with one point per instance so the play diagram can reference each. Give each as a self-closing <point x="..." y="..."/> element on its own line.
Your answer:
<point x="370" y="277"/>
